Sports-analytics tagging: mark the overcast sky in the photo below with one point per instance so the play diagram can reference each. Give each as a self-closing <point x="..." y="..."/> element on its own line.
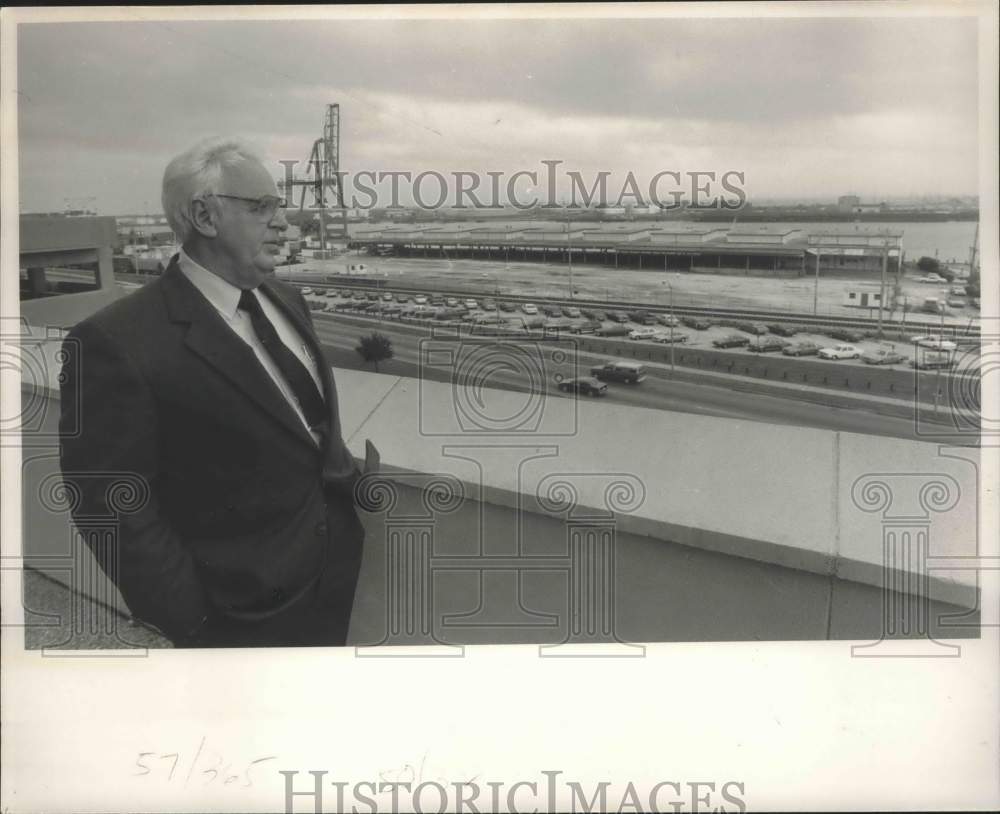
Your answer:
<point x="806" y="108"/>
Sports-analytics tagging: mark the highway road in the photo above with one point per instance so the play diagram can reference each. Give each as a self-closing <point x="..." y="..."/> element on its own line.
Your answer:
<point x="340" y="335"/>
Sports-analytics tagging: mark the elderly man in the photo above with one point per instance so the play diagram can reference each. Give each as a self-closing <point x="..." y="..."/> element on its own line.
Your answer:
<point x="207" y="387"/>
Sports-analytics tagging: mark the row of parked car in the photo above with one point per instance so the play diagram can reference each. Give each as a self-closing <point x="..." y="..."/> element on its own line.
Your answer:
<point x="756" y="337"/>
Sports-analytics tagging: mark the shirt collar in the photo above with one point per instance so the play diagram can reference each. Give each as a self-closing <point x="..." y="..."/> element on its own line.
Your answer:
<point x="222" y="294"/>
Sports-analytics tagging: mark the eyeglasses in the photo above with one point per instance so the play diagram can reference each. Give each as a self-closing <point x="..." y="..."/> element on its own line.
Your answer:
<point x="267" y="206"/>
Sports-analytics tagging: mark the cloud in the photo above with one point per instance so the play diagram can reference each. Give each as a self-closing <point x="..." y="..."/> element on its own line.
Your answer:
<point x="103" y="106"/>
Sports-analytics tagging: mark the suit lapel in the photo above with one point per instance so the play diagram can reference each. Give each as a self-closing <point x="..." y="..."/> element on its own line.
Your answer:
<point x="210" y="338"/>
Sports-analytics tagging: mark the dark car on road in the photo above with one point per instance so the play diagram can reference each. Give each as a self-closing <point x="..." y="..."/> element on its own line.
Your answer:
<point x="552" y="310"/>
<point x="627" y="372"/>
<point x="780" y="329"/>
<point x="618" y="316"/>
<point x="731" y="341"/>
<point x="585" y="386"/>
<point x="801" y="349"/>
<point x="767" y="344"/>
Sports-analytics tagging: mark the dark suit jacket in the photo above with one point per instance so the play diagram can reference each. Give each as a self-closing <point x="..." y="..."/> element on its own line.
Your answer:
<point x="243" y="509"/>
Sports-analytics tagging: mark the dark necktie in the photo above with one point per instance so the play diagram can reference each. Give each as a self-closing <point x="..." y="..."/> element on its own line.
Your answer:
<point x="294" y="372"/>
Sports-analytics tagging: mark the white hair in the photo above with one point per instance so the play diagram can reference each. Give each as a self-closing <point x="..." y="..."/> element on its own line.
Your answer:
<point x="198" y="171"/>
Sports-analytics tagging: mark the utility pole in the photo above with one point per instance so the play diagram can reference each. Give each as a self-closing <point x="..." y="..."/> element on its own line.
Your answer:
<point x="881" y="289"/>
<point x="816" y="287"/>
<point x="670" y="288"/>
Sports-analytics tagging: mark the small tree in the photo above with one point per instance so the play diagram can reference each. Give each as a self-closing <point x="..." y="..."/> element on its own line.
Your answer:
<point x="375" y="348"/>
<point x="929" y="265"/>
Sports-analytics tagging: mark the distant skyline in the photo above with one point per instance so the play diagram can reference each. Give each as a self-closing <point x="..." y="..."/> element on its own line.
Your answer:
<point x="808" y="109"/>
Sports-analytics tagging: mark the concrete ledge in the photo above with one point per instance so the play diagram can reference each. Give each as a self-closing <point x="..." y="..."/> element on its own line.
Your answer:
<point x="796" y="497"/>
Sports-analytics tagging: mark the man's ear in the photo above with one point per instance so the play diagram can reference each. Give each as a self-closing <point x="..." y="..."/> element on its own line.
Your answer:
<point x="203" y="218"/>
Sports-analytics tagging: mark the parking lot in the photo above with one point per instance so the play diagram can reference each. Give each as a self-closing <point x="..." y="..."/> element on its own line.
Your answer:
<point x="753" y="339"/>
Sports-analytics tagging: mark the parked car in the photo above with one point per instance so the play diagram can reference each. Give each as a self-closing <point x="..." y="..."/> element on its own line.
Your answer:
<point x="387" y="296"/>
<point x="529" y="308"/>
<point x="551" y="310"/>
<point x="627" y="372"/>
<point x="780" y="329"/>
<point x="642" y="333"/>
<point x="306" y="290"/>
<point x="437" y="301"/>
<point x="667" y="319"/>
<point x="641" y="317"/>
<point x="489" y="319"/>
<point x="509" y="307"/>
<point x="585" y="385"/>
<point x="489" y="305"/>
<point x="882" y="356"/>
<point x="840" y="352"/>
<point x="767" y="344"/>
<point x="731" y="341"/>
<point x="955" y="302"/>
<point x="698" y="323"/>
<point x="666" y="337"/>
<point x="932" y="359"/>
<point x="332" y="292"/>
<point x="471" y="304"/>
<point x="372" y="296"/>
<point x="402" y="298"/>
<point x="957" y="290"/>
<point x="755" y="328"/>
<point x="974" y="302"/>
<point x="845" y="335"/>
<point x="451" y="302"/>
<point x="588" y="313"/>
<point x="931" y="278"/>
<point x="613" y="330"/>
<point x="934" y="343"/>
<point x="617" y="316"/>
<point x="801" y="349"/>
<point x="420" y="299"/>
<point x="599" y="315"/>
<point x="359" y="295"/>
<point x="588" y="327"/>
<point x="558" y="324"/>
<point x="571" y="311"/>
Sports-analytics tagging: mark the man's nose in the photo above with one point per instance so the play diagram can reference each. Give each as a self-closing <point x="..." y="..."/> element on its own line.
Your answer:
<point x="279" y="221"/>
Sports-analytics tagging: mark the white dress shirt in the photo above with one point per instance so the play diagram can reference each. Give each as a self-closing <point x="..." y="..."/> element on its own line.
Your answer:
<point x="225" y="297"/>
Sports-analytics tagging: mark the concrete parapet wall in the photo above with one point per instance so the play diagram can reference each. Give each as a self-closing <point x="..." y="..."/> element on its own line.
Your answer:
<point x="786" y="529"/>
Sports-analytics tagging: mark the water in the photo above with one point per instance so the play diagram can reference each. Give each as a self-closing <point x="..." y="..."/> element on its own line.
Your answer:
<point x="947" y="240"/>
